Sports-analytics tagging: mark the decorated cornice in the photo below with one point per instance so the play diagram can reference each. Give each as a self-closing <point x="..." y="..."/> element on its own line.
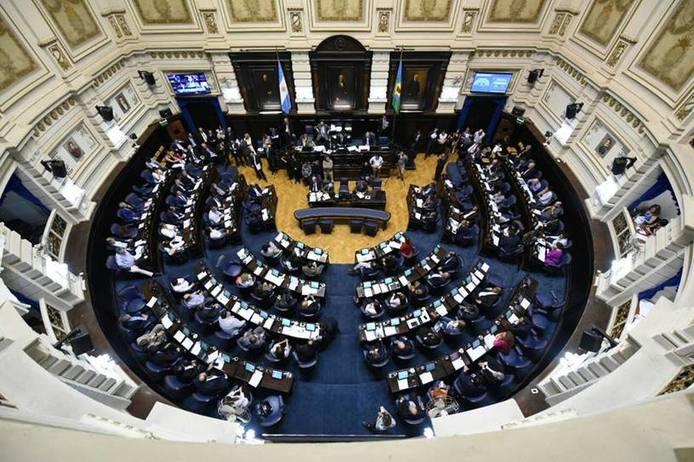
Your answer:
<point x="624" y="112"/>
<point x="53" y="116"/>
<point x="577" y="75"/>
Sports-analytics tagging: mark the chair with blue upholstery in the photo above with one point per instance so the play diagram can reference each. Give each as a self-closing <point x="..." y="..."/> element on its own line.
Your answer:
<point x="344" y="189"/>
<point x="370" y="228"/>
<point x="175" y="387"/>
<point x="135" y="200"/>
<point x="304" y="364"/>
<point x="549" y="304"/>
<point x="355" y="225"/>
<point x="326" y="226"/>
<point x="123" y="232"/>
<point x="309" y="225"/>
<point x="270" y="410"/>
<point x="231" y="268"/>
<point x="532" y="346"/>
<point x="131" y="300"/>
<point x="144" y="191"/>
<point x="560" y="266"/>
<point x="515" y="361"/>
<point x="156" y="371"/>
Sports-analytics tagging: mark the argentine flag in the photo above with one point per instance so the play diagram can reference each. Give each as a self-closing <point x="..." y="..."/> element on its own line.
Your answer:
<point x="286" y="102"/>
<point x="398" y="89"/>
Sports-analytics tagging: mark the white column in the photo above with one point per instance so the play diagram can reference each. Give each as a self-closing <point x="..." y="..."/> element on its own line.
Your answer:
<point x="450" y="100"/>
<point x="303" y="82"/>
<point x="231" y="95"/>
<point x="378" y="91"/>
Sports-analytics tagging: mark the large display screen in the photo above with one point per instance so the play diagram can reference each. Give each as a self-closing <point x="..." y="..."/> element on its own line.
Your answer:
<point x="189" y="84"/>
<point x="491" y="82"/>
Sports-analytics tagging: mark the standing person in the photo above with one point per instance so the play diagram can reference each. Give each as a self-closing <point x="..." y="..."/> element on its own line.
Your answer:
<point x="440" y="164"/>
<point x="286" y="133"/>
<point x="328" y="168"/>
<point x="270" y="153"/>
<point x="322" y="133"/>
<point x="376" y="163"/>
<point x="433" y="135"/>
<point x="257" y="165"/>
<point x="384" y="422"/>
<point x="402" y="162"/>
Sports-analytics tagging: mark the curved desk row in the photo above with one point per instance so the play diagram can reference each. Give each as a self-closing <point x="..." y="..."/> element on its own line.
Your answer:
<point x="343" y="214"/>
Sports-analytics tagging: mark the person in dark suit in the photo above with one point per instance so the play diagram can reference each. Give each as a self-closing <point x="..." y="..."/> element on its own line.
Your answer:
<point x="413" y="88"/>
<point x="135" y="322"/>
<point x="370" y="138"/>
<point x="431" y="141"/>
<point x="441" y="161"/>
<point x="621" y="164"/>
<point x="488" y="295"/>
<point x="211" y="383"/>
<point x="187" y="370"/>
<point x="306" y="352"/>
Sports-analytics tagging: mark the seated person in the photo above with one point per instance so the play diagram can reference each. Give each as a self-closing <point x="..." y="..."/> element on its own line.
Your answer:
<point x="216" y="234"/>
<point x="361" y="188"/>
<point x="174" y="246"/>
<point x="292" y="263"/>
<point x="309" y="306"/>
<point x="172" y="216"/>
<point x="450" y="262"/>
<point x="428" y="337"/>
<point x="153" y="340"/>
<point x="364" y="268"/>
<point x="438" y="390"/>
<point x="245" y="280"/>
<point x="375" y="353"/>
<point x="214" y="216"/>
<point x="410" y="408"/>
<point x="125" y="261"/>
<point x="451" y="326"/>
<point x="553" y="211"/>
<point x="417" y="289"/>
<point x="555" y="255"/>
<point x="280" y="350"/>
<point x="488" y="295"/>
<point x="470" y="385"/>
<point x="235" y="404"/>
<point x="135" y="322"/>
<point x="396" y="302"/>
<point x="401" y="346"/>
<point x="306" y="352"/>
<point x="469" y="312"/>
<point x="286" y="300"/>
<point x="504" y="342"/>
<point x="128" y="213"/>
<point x="264" y="290"/>
<point x="167" y="355"/>
<point x="372" y="308"/>
<point x="193" y="300"/>
<point x="253" y="339"/>
<point x="210" y="313"/>
<point x="211" y="383"/>
<point x="181" y="285"/>
<point x="187" y="369"/>
<point x="329" y="328"/>
<point x="438" y="278"/>
<point x="230" y="324"/>
<point x="390" y="263"/>
<point x="271" y="250"/>
<point x="545" y="198"/>
<point x="312" y="269"/>
<point x="407" y="250"/>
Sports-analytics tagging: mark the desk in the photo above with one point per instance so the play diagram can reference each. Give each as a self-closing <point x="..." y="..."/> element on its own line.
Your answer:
<point x="374" y="200"/>
<point x="380" y="250"/>
<point x="347" y="164"/>
<point x="393" y="283"/>
<point x="276" y="324"/>
<point x="440" y="368"/>
<point x="432" y="311"/>
<point x="279" y="279"/>
<point x="304" y="251"/>
<point x="272" y="379"/>
<point x="343" y="214"/>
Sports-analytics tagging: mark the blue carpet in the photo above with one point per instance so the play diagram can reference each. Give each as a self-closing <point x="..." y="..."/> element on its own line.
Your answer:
<point x="343" y="391"/>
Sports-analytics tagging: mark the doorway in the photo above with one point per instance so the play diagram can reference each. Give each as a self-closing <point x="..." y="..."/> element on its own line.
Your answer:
<point x="481" y="112"/>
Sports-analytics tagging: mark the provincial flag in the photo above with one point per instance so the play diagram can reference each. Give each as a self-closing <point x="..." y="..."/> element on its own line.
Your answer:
<point x="397" y="91"/>
<point x="285" y="100"/>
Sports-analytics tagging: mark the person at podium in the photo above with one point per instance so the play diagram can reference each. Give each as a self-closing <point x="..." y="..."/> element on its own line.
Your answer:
<point x="306" y="142"/>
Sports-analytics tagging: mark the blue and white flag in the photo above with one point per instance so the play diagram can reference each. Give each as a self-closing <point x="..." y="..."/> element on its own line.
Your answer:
<point x="285" y="100"/>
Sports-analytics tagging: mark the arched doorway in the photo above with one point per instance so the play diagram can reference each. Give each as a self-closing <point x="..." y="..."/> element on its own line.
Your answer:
<point x="341" y="69"/>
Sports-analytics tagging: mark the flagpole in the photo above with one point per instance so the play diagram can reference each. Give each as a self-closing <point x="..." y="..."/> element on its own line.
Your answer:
<point x="395" y="113"/>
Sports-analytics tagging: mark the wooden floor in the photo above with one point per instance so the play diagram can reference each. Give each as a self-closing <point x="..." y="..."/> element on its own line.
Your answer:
<point x="341" y="244"/>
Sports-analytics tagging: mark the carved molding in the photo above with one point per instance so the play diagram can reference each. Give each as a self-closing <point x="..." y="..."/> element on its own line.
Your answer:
<point x="557" y="23"/>
<point x="210" y="22"/>
<point x="108" y="73"/>
<point x="59" y="56"/>
<point x="617" y="52"/>
<point x="52" y="116"/>
<point x="571" y="70"/>
<point x="296" y="21"/>
<point x="624" y="112"/>
<point x="179" y="54"/>
<point x="469" y="17"/>
<point x="685" y="109"/>
<point x="501" y="52"/>
<point x="383" y="21"/>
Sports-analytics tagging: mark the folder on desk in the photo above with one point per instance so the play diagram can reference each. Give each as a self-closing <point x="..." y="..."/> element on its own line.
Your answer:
<point x="460" y="296"/>
<point x="255" y="379"/>
<point x="256" y="318"/>
<point x="513" y="319"/>
<point x="208" y="285"/>
<point x="179" y="336"/>
<point x="152" y="301"/>
<point x="441" y="310"/>
<point x="202" y="275"/>
<point x="403" y="384"/>
<point x="412" y="323"/>
<point x="489" y="341"/>
<point x="269" y="322"/>
<point x="187" y="343"/>
<point x="195" y="351"/>
<point x="403" y="280"/>
<point x="389" y="331"/>
<point x="525" y="303"/>
<point x="426" y="377"/>
<point x="166" y="322"/>
<point x="216" y="291"/>
<point x="223" y="298"/>
<point x="458" y="363"/>
<point x="477" y="352"/>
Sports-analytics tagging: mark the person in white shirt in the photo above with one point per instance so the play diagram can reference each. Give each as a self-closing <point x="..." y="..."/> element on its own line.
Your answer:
<point x="126" y="262"/>
<point x="479" y="136"/>
<point x="214" y="215"/>
<point x="384" y="422"/>
<point x="181" y="285"/>
<point x="230" y="324"/>
<point x="376" y="163"/>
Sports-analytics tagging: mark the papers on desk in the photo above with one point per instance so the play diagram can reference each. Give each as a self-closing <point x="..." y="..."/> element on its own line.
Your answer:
<point x="541" y="253"/>
<point x="265" y="215"/>
<point x="485" y="267"/>
<point x="403" y="384"/>
<point x="476" y="353"/>
<point x="426" y="377"/>
<point x="223" y="299"/>
<point x="255" y="379"/>
<point x="269" y="322"/>
<point x="513" y="319"/>
<point x="319" y="148"/>
<point x="458" y="363"/>
<point x="179" y="336"/>
<point x="152" y="301"/>
<point x="489" y="341"/>
<point x="274" y="278"/>
<point x="352" y="148"/>
<point x="196" y="349"/>
<point x="187" y="343"/>
<point x="441" y="310"/>
<point x="166" y="322"/>
<point x="525" y="303"/>
<point x="390" y="331"/>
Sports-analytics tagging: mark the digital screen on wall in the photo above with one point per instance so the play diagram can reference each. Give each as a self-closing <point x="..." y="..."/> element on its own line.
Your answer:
<point x="491" y="82"/>
<point x="189" y="84"/>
